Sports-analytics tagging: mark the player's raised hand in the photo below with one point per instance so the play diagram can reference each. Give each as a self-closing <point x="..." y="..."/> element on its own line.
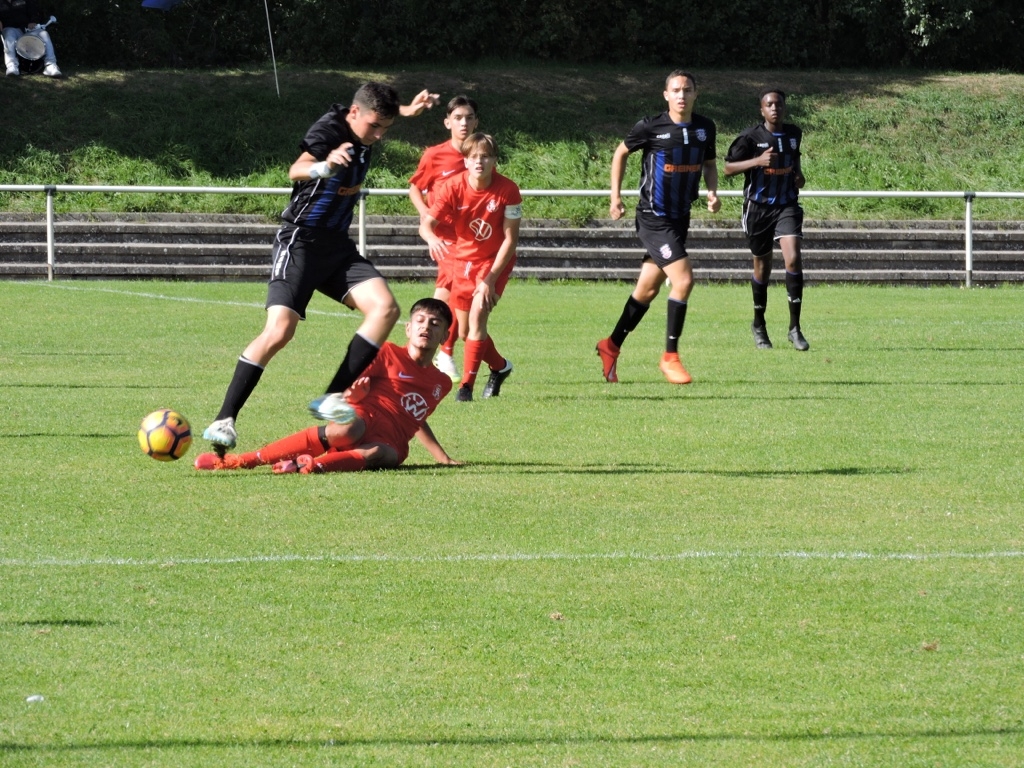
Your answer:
<point x="341" y="155"/>
<point x="360" y="388"/>
<point x="422" y="100"/>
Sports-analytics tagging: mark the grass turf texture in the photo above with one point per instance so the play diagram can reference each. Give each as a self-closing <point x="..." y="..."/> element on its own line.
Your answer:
<point x="799" y="559"/>
<point x="557" y="127"/>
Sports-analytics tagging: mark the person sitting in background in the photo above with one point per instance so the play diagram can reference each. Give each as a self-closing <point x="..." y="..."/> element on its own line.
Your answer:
<point x="21" y="17"/>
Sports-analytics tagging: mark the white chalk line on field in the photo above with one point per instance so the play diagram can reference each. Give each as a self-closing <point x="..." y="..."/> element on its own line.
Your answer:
<point x="504" y="558"/>
<point x="186" y="299"/>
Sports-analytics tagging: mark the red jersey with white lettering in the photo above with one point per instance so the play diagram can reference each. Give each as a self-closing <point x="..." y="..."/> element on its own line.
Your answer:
<point x="440" y="162"/>
<point x="478" y="215"/>
<point x="402" y="395"/>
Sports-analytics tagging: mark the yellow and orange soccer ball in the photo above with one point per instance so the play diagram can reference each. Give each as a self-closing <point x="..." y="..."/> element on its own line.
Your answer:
<point x="165" y="435"/>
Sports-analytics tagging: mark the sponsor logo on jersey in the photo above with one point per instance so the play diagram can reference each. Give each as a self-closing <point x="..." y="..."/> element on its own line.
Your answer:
<point x="481" y="229"/>
<point x="348" y="191"/>
<point x="670" y="168"/>
<point x="437" y="392"/>
<point x="763" y="145"/>
<point x="446" y="174"/>
<point x="404" y="375"/>
<point x="415" y="405"/>
<point x="663" y="136"/>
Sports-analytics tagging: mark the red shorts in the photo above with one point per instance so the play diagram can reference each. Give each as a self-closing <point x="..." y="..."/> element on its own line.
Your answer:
<point x="469" y="275"/>
<point x="380" y="429"/>
<point x="446" y="271"/>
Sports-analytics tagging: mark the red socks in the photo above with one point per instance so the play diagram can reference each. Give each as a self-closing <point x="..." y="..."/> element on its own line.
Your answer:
<point x="339" y="461"/>
<point x="477" y="351"/>
<point x="306" y="441"/>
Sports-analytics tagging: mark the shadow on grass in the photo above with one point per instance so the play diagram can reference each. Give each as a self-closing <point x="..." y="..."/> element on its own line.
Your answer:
<point x="556" y="468"/>
<point x="509" y="741"/>
<point x="541" y="468"/>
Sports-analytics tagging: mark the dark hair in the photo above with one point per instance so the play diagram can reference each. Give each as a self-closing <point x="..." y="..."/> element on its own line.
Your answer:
<point x="681" y="73"/>
<point x="765" y="91"/>
<point x="379" y="98"/>
<point x="461" y="101"/>
<point x="433" y="307"/>
<point x="480" y="140"/>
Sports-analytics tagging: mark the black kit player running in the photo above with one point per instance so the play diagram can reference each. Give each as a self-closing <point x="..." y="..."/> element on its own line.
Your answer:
<point x="313" y="252"/>
<point x="678" y="149"/>
<point x="768" y="154"/>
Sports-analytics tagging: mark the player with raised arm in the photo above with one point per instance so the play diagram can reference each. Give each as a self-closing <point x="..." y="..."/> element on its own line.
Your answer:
<point x="678" y="149"/>
<point x="768" y="154"/>
<point x="313" y="252"/>
<point x="485" y="209"/>
<point x="440" y="162"/>
<point x="391" y="400"/>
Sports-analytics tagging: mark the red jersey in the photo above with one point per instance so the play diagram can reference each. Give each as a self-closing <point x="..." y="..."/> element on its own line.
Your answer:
<point x="478" y="216"/>
<point x="402" y="394"/>
<point x="440" y="162"/>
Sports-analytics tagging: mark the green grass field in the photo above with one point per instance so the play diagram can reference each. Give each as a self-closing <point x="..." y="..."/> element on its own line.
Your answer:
<point x="797" y="560"/>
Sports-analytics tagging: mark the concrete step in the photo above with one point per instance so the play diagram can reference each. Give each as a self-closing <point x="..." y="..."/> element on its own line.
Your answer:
<point x="237" y="247"/>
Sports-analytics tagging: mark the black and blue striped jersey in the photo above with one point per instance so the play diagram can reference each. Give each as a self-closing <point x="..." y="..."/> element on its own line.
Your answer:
<point x="329" y="203"/>
<point x="775" y="185"/>
<point x="672" y="163"/>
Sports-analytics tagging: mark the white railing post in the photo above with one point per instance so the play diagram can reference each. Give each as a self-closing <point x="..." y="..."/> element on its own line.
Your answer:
<point x="50" y="238"/>
<point x="362" y="222"/>
<point x="968" y="238"/>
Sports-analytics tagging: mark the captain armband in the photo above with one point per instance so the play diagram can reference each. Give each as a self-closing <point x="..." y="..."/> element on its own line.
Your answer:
<point x="514" y="211"/>
<point x="320" y="170"/>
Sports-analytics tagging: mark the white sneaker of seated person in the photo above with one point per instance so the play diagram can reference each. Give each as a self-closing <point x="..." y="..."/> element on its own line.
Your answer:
<point x="52" y="70"/>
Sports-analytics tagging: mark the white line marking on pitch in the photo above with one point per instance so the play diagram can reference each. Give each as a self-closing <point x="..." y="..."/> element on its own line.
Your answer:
<point x="505" y="558"/>
<point x="188" y="299"/>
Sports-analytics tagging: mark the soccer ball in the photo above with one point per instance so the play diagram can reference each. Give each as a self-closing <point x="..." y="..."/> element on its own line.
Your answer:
<point x="165" y="435"/>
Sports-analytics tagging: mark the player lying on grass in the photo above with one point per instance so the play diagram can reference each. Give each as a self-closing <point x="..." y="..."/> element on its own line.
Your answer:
<point x="392" y="400"/>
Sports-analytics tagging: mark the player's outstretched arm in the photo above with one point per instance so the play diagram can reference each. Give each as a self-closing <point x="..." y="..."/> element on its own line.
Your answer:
<point x="422" y="100"/>
<point x="426" y="436"/>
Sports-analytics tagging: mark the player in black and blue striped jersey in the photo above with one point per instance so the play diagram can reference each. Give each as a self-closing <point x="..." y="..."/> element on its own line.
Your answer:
<point x="314" y="252"/>
<point x="768" y="154"/>
<point x="678" y="149"/>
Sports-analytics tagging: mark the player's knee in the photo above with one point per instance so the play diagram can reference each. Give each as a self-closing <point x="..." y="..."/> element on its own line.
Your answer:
<point x="345" y="435"/>
<point x="379" y="456"/>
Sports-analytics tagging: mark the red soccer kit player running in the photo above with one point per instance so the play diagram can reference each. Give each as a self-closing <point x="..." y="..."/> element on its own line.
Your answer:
<point x="485" y="209"/>
<point x="439" y="163"/>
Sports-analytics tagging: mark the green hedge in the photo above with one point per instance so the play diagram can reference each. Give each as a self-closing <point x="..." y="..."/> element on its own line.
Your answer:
<point x="958" y="34"/>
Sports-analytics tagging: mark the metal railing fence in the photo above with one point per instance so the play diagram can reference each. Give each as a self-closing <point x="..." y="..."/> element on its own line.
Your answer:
<point x="52" y="190"/>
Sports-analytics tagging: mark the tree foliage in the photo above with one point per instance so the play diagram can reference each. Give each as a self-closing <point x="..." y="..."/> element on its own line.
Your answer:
<point x="960" y="34"/>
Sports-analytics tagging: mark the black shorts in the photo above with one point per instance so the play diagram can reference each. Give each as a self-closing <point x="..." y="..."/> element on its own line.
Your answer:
<point x="764" y="224"/>
<point x="664" y="239"/>
<point x="306" y="260"/>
